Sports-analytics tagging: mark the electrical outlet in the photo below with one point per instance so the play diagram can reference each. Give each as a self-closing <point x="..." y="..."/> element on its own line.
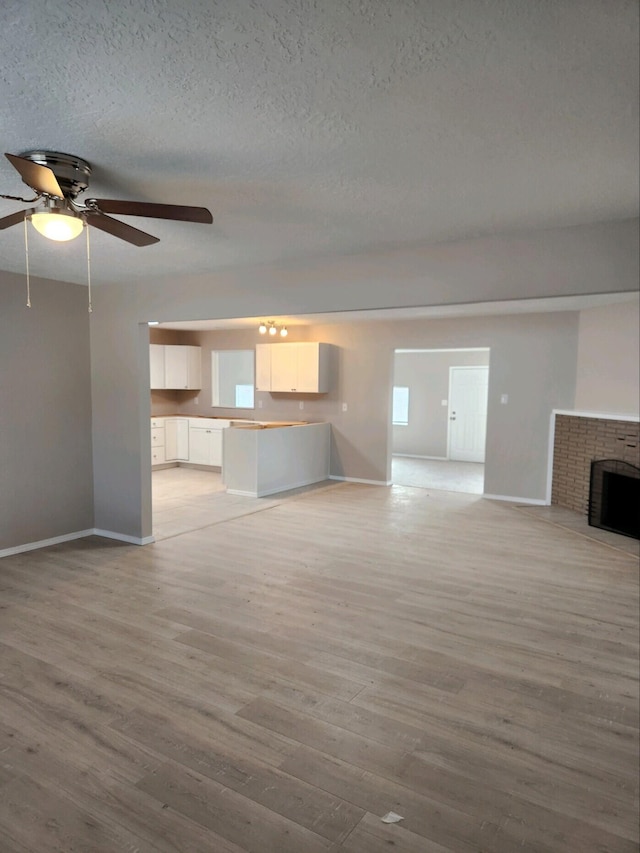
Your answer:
<point x="197" y="400"/>
<point x="260" y="404"/>
<point x="344" y="407"/>
<point x="301" y="404"/>
<point x="504" y="399"/>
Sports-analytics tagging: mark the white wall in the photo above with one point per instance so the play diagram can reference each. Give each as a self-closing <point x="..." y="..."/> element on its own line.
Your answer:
<point x="608" y="374"/>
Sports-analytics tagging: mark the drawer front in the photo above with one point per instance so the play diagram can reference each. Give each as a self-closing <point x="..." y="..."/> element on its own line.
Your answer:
<point x="157" y="437"/>
<point x="157" y="455"/>
<point x="157" y="422"/>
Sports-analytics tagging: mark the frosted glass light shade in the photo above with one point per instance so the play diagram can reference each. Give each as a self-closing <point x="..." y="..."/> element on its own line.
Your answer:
<point x="57" y="226"/>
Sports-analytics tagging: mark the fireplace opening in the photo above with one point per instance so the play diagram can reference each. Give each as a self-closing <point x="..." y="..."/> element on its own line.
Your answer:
<point x="614" y="497"/>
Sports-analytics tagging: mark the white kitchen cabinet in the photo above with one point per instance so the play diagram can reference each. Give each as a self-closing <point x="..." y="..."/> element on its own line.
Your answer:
<point x="302" y="367"/>
<point x="263" y="367"/>
<point x="205" y="446"/>
<point x="156" y="366"/>
<point x="182" y="367"/>
<point x="175" y="367"/>
<point x="176" y="442"/>
<point x="157" y="441"/>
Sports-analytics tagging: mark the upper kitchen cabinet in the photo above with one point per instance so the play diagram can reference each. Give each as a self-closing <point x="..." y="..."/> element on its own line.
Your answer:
<point x="303" y="368"/>
<point x="175" y="367"/>
<point x="156" y="365"/>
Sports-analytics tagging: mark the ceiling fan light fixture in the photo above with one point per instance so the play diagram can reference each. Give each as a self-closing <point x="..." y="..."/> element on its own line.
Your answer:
<point x="57" y="225"/>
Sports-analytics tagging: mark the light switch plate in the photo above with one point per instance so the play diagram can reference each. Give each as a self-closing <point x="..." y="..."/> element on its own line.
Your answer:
<point x="504" y="399"/>
<point x="344" y="407"/>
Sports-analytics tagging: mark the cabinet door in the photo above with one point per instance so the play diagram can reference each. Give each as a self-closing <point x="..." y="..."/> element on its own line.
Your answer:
<point x="308" y="367"/>
<point x="205" y="446"/>
<point x="156" y="366"/>
<point x="284" y="367"/>
<point x="182" y="439"/>
<point x="175" y="367"/>
<point x="194" y="367"/>
<point x="199" y="446"/>
<point x="263" y="367"/>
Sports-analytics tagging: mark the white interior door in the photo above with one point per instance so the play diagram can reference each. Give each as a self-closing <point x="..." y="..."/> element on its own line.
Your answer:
<point x="468" y="387"/>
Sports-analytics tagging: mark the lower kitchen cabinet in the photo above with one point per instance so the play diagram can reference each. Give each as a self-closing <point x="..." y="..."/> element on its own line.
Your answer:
<point x="196" y="441"/>
<point x="157" y="441"/>
<point x="176" y="440"/>
<point x="205" y="446"/>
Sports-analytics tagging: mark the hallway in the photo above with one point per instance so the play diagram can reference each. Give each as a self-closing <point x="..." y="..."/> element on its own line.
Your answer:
<point x="467" y="477"/>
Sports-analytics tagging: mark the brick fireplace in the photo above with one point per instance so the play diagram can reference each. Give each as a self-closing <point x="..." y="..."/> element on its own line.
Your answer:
<point x="581" y="438"/>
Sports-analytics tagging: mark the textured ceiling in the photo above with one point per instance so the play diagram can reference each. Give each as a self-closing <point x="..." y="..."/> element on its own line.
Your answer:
<point x="314" y="128"/>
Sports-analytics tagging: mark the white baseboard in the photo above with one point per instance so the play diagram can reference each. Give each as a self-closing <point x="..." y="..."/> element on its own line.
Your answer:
<point x="516" y="500"/>
<point x="122" y="537"/>
<point x="419" y="456"/>
<point x="268" y="492"/>
<point x="44" y="543"/>
<point x="69" y="537"/>
<point x="359" y="480"/>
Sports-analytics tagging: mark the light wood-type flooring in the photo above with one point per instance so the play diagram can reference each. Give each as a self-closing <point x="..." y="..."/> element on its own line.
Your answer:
<point x="279" y="681"/>
<point x="444" y="474"/>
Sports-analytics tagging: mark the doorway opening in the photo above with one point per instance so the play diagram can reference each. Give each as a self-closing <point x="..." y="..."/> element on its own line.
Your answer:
<point x="439" y="418"/>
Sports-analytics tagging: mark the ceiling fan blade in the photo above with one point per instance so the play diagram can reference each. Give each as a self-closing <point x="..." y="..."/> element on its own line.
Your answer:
<point x="39" y="178"/>
<point x="12" y="219"/>
<point x="180" y="212"/>
<point x="119" y="229"/>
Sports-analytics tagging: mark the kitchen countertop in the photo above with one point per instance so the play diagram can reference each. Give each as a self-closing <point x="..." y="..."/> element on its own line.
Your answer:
<point x="238" y="423"/>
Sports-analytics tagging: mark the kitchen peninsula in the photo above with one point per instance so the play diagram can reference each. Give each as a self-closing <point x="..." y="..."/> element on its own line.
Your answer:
<point x="262" y="459"/>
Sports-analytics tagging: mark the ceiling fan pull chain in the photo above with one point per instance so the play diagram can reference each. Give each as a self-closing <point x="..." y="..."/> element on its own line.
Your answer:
<point x="86" y="225"/>
<point x="26" y="258"/>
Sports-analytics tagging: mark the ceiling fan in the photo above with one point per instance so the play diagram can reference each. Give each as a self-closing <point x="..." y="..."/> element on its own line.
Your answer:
<point x="58" y="179"/>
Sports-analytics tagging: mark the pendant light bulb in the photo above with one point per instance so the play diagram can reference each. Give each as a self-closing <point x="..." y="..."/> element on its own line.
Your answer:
<point x="56" y="224"/>
<point x="272" y="329"/>
<point x="262" y="328"/>
<point x="283" y="332"/>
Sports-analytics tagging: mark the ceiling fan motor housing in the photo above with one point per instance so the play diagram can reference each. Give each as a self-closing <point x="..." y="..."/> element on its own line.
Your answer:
<point x="72" y="173"/>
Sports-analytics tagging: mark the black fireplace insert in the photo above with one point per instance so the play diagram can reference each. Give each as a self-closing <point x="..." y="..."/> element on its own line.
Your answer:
<point x="614" y="497"/>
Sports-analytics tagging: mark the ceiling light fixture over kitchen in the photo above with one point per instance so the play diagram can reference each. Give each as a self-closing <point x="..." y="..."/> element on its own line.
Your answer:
<point x="271" y="329"/>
